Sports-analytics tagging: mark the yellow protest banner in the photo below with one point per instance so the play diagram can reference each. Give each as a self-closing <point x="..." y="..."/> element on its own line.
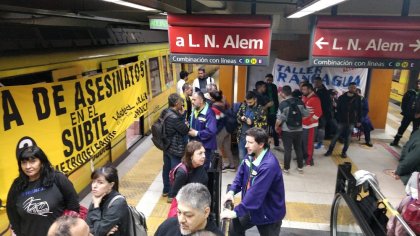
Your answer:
<point x="71" y="121"/>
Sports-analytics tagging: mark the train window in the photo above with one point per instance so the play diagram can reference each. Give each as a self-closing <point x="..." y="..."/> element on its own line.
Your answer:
<point x="127" y="60"/>
<point x="168" y="73"/>
<point x="155" y="76"/>
<point x="40" y="77"/>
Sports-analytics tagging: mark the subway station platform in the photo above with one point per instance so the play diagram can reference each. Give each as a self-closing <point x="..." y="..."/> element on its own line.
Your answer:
<point x="308" y="196"/>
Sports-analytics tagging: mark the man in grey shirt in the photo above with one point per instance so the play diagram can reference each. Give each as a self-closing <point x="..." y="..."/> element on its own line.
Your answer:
<point x="289" y="117"/>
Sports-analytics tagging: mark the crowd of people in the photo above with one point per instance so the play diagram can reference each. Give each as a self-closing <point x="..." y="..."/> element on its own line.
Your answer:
<point x="196" y="125"/>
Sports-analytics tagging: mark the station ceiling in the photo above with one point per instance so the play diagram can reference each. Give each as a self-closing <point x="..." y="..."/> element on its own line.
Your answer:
<point x="100" y="13"/>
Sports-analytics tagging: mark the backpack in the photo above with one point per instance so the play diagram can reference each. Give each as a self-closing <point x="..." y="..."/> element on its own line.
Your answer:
<point x="159" y="138"/>
<point x="136" y="220"/>
<point x="231" y="123"/>
<point x="294" y="117"/>
<point x="173" y="172"/>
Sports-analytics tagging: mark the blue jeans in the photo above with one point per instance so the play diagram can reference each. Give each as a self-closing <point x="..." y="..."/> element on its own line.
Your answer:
<point x="241" y="149"/>
<point x="169" y="162"/>
<point x="209" y="158"/>
<point x="345" y="130"/>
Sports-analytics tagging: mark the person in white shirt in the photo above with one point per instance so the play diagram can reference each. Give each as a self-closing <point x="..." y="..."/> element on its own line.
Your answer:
<point x="200" y="83"/>
<point x="183" y="76"/>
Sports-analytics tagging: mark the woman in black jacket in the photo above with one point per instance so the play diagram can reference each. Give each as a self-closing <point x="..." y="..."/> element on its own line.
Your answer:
<point x="39" y="195"/>
<point x="108" y="212"/>
<point x="193" y="162"/>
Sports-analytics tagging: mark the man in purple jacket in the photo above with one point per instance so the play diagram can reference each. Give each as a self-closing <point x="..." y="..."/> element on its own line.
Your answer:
<point x="203" y="127"/>
<point x="260" y="180"/>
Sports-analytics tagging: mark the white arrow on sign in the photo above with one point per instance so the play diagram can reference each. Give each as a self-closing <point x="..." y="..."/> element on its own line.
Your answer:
<point x="320" y="42"/>
<point x="415" y="46"/>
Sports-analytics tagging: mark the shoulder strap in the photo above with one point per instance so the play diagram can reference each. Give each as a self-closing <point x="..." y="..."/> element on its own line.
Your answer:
<point x="114" y="199"/>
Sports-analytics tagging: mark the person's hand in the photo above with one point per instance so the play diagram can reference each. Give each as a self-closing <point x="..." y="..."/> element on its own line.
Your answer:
<point x="249" y="121"/>
<point x="97" y="200"/>
<point x="228" y="214"/>
<point x="397" y="177"/>
<point x="192" y="133"/>
<point x="228" y="196"/>
<point x="243" y="118"/>
<point x="113" y="230"/>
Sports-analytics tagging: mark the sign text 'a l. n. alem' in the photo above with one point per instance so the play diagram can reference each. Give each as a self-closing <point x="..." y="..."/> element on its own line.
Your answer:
<point x="230" y="41"/>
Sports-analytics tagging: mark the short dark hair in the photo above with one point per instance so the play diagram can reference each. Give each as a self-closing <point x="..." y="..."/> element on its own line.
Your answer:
<point x="185" y="87"/>
<point x="269" y="76"/>
<point x="110" y="174"/>
<point x="217" y="95"/>
<point x="173" y="99"/>
<point x="352" y="83"/>
<point x="287" y="90"/>
<point x="202" y="69"/>
<point x="318" y="78"/>
<point x="260" y="136"/>
<point x="64" y="225"/>
<point x="250" y="95"/>
<point x="308" y="85"/>
<point x="259" y="84"/>
<point x="201" y="95"/>
<point x="183" y="74"/>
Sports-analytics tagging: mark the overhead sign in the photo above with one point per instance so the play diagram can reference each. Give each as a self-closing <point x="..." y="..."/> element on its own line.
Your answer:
<point x="366" y="42"/>
<point x="158" y="23"/>
<point x="220" y="39"/>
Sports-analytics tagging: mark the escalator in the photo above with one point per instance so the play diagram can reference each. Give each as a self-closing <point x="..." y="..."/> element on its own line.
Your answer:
<point x="360" y="210"/>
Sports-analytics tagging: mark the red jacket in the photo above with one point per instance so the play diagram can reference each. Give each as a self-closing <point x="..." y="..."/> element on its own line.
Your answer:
<point x="313" y="104"/>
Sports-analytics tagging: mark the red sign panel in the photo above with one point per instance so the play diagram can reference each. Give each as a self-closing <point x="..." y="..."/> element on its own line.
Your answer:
<point x="367" y="38"/>
<point x="221" y="35"/>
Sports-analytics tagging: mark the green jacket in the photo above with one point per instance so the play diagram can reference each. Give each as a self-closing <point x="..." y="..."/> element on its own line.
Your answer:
<point x="256" y="114"/>
<point x="410" y="157"/>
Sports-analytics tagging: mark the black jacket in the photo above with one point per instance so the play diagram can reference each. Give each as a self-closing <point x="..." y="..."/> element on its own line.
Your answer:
<point x="409" y="160"/>
<point x="349" y="109"/>
<point x="32" y="211"/>
<point x="102" y="219"/>
<point x="196" y="175"/>
<point x="170" y="227"/>
<point x="176" y="132"/>
<point x="326" y="102"/>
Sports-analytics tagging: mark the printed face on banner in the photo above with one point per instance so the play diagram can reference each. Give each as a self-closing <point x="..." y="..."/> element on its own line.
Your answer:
<point x="72" y="121"/>
<point x="339" y="79"/>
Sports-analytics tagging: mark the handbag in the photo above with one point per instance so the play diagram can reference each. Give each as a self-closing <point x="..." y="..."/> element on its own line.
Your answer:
<point x="411" y="214"/>
<point x="82" y="213"/>
<point x="374" y="213"/>
<point x="174" y="208"/>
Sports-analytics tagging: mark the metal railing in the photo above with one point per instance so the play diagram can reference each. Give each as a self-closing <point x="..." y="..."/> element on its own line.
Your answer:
<point x="348" y="215"/>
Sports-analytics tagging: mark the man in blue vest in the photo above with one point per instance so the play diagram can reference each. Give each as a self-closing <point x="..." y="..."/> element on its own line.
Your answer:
<point x="203" y="127"/>
<point x="260" y="180"/>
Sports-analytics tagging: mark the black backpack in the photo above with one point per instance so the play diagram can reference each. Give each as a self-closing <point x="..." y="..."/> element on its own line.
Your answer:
<point x="136" y="220"/>
<point x="231" y="123"/>
<point x="159" y="138"/>
<point x="294" y="117"/>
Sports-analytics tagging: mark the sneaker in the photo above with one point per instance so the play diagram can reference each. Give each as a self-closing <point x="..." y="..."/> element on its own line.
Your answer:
<point x="300" y="170"/>
<point x="369" y="144"/>
<point x="278" y="148"/>
<point x="164" y="194"/>
<point x="328" y="153"/>
<point x="286" y="171"/>
<point x="394" y="144"/>
<point x="169" y="200"/>
<point x="228" y="168"/>
<point x="318" y="146"/>
<point x="343" y="155"/>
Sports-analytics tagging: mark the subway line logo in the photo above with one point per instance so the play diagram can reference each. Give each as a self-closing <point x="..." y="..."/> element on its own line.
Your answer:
<point x="250" y="61"/>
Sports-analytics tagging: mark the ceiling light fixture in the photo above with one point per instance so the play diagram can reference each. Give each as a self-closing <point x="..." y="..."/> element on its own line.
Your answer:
<point x="133" y="5"/>
<point x="314" y="6"/>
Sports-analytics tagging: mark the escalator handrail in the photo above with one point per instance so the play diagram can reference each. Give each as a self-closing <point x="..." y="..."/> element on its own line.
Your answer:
<point x="355" y="212"/>
<point x="389" y="206"/>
